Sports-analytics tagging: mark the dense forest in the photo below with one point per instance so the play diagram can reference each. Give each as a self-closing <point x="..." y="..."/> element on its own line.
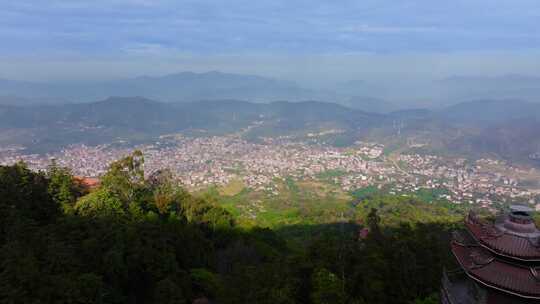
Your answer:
<point x="144" y="239"/>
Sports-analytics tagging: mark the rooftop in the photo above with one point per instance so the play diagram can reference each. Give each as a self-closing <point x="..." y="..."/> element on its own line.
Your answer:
<point x="513" y="235"/>
<point x="489" y="270"/>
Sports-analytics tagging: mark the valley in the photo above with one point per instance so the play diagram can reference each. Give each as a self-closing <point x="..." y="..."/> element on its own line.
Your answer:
<point x="281" y="181"/>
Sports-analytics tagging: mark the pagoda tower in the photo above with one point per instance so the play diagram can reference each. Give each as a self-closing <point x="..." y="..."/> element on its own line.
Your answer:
<point x="499" y="262"/>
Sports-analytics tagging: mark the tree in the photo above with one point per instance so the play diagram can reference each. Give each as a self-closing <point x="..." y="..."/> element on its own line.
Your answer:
<point x="101" y="202"/>
<point x="168" y="197"/>
<point x="167" y="292"/>
<point x="62" y="187"/>
<point x="326" y="288"/>
<point x="125" y="177"/>
<point x="373" y="221"/>
<point x="25" y="194"/>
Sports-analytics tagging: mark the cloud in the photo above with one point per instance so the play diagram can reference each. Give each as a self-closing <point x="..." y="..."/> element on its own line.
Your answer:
<point x="310" y="27"/>
<point x="389" y="29"/>
<point x="318" y="69"/>
<point x="153" y="49"/>
<point x="290" y="38"/>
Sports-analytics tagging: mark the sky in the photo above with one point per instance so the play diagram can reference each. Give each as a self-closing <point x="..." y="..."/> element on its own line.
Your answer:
<point x="310" y="41"/>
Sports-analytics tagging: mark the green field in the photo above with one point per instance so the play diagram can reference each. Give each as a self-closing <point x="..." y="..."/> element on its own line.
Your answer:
<point x="321" y="201"/>
<point x="233" y="188"/>
<point x="296" y="202"/>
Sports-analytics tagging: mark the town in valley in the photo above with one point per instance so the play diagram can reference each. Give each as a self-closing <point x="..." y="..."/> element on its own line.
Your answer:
<point x="200" y="162"/>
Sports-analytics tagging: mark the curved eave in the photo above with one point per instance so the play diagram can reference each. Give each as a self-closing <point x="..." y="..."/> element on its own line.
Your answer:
<point x="492" y="285"/>
<point x="499" y="252"/>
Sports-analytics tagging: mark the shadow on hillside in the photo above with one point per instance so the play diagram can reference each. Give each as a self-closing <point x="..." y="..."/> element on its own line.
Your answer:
<point x="148" y="243"/>
<point x="157" y="260"/>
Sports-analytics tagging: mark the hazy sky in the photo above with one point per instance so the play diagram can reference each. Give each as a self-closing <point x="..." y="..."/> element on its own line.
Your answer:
<point x="310" y="40"/>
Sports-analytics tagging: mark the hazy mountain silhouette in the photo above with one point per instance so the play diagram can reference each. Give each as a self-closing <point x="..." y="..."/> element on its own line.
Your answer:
<point x="490" y="111"/>
<point x="186" y="86"/>
<point x="137" y="117"/>
<point x="507" y="128"/>
<point x="497" y="87"/>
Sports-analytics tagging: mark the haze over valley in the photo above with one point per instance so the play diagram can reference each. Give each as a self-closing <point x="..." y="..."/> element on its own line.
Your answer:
<point x="270" y="152"/>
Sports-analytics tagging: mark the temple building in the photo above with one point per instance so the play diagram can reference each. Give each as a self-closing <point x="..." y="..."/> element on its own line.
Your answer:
<point x="498" y="262"/>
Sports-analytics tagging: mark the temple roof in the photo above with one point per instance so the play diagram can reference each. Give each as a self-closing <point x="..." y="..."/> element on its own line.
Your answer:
<point x="513" y="235"/>
<point x="487" y="269"/>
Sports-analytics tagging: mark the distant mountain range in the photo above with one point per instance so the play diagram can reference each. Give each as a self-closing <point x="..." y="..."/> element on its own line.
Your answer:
<point x="185" y="87"/>
<point x="498" y="87"/>
<point x="53" y="126"/>
<point x="508" y="128"/>
<point x="481" y="112"/>
<point x="181" y="87"/>
<point x="357" y="94"/>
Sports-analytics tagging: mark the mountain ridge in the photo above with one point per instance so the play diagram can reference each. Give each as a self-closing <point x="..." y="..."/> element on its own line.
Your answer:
<point x="177" y="87"/>
<point x="469" y="128"/>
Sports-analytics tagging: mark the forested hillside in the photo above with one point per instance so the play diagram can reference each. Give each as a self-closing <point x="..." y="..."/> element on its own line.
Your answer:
<point x="138" y="239"/>
<point x="47" y="128"/>
<point x="504" y="128"/>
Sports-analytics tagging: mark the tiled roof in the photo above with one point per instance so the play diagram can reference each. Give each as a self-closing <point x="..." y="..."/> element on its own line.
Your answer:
<point x="89" y="182"/>
<point x="507" y="244"/>
<point x="484" y="267"/>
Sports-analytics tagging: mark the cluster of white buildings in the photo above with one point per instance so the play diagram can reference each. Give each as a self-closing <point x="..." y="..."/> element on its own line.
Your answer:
<point x="203" y="161"/>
